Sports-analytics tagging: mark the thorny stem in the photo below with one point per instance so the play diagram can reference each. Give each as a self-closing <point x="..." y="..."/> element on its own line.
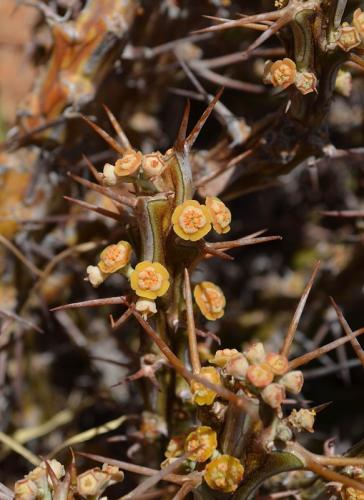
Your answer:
<point x="309" y="356"/>
<point x="298" y="313"/>
<point x="311" y="462"/>
<point x="240" y="401"/>
<point x="191" y="329"/>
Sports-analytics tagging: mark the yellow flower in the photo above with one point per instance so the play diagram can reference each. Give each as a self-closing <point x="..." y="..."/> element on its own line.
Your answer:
<point x="153" y="164"/>
<point x="224" y="473"/>
<point x="349" y="493"/>
<point x="115" y="257"/>
<point x="202" y="395"/>
<point x="210" y="300"/>
<point x="220" y="214"/>
<point x="283" y="73"/>
<point x="128" y="164"/>
<point x="191" y="221"/>
<point x="201" y="444"/>
<point x="222" y="356"/>
<point x="150" y="279"/>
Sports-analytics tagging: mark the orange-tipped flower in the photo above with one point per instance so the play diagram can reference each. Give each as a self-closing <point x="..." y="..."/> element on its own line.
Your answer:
<point x="201" y="444"/>
<point x="277" y="363"/>
<point x="293" y="381"/>
<point x="224" y="473"/>
<point x="191" y="221"/>
<point x="210" y="300"/>
<point x="115" y="257"/>
<point x="128" y="164"/>
<point x="274" y="395"/>
<point x="283" y="73"/>
<point x="222" y="356"/>
<point x="306" y="82"/>
<point x="220" y="214"/>
<point x="202" y="395"/>
<point x="348" y="37"/>
<point x="259" y="375"/>
<point x="149" y="280"/>
<point x="153" y="164"/>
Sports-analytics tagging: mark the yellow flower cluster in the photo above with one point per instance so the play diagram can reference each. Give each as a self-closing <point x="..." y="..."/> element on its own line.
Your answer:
<point x="192" y="220"/>
<point x="283" y="73"/>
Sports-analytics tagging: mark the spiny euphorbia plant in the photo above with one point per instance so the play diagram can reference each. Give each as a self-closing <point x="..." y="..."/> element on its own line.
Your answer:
<point x="235" y="431"/>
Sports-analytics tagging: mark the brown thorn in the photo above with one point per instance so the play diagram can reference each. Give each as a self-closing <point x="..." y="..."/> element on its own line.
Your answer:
<point x="181" y="136"/>
<point x="240" y="401"/>
<point x="242" y="242"/>
<point x="309" y="356"/>
<point x="123" y="318"/>
<point x="92" y="169"/>
<point x="93" y="208"/>
<point x="107" y="138"/>
<point x="93" y="303"/>
<point x="110" y="193"/>
<point x="298" y="313"/>
<point x="191" y="329"/>
<point x="227" y="24"/>
<point x="348" y="331"/>
<point x="116" y="125"/>
<point x="191" y="139"/>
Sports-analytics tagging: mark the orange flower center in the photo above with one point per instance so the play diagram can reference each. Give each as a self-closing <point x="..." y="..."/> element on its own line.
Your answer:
<point x="213" y="300"/>
<point x="283" y="74"/>
<point x="149" y="279"/>
<point x="191" y="220"/>
<point x="114" y="254"/>
<point x="222" y="214"/>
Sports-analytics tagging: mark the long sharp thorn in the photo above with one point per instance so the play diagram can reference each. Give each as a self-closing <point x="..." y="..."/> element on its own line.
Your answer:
<point x="116" y="125"/>
<point x="124" y="200"/>
<point x="227" y="24"/>
<point x="298" y="313"/>
<point x="92" y="169"/>
<point x="181" y="136"/>
<point x="348" y="331"/>
<point x="92" y="303"/>
<point x="201" y="122"/>
<point x="93" y="208"/>
<point x="309" y="356"/>
<point x="107" y="138"/>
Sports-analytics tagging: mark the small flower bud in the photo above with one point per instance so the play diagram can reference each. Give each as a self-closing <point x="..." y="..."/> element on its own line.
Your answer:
<point x="306" y="82"/>
<point x="273" y="395"/>
<point x="278" y="363"/>
<point x="146" y="307"/>
<point x="259" y="375"/>
<point x="293" y="381"/>
<point x="302" y="419"/>
<point x="210" y="300"/>
<point x="255" y="354"/>
<point x="201" y="444"/>
<point x="224" y="473"/>
<point x="222" y="356"/>
<point x="95" y="276"/>
<point x="109" y="176"/>
<point x="358" y="21"/>
<point x="237" y="366"/>
<point x="348" y="37"/>
<point x="284" y="433"/>
<point x="283" y="73"/>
